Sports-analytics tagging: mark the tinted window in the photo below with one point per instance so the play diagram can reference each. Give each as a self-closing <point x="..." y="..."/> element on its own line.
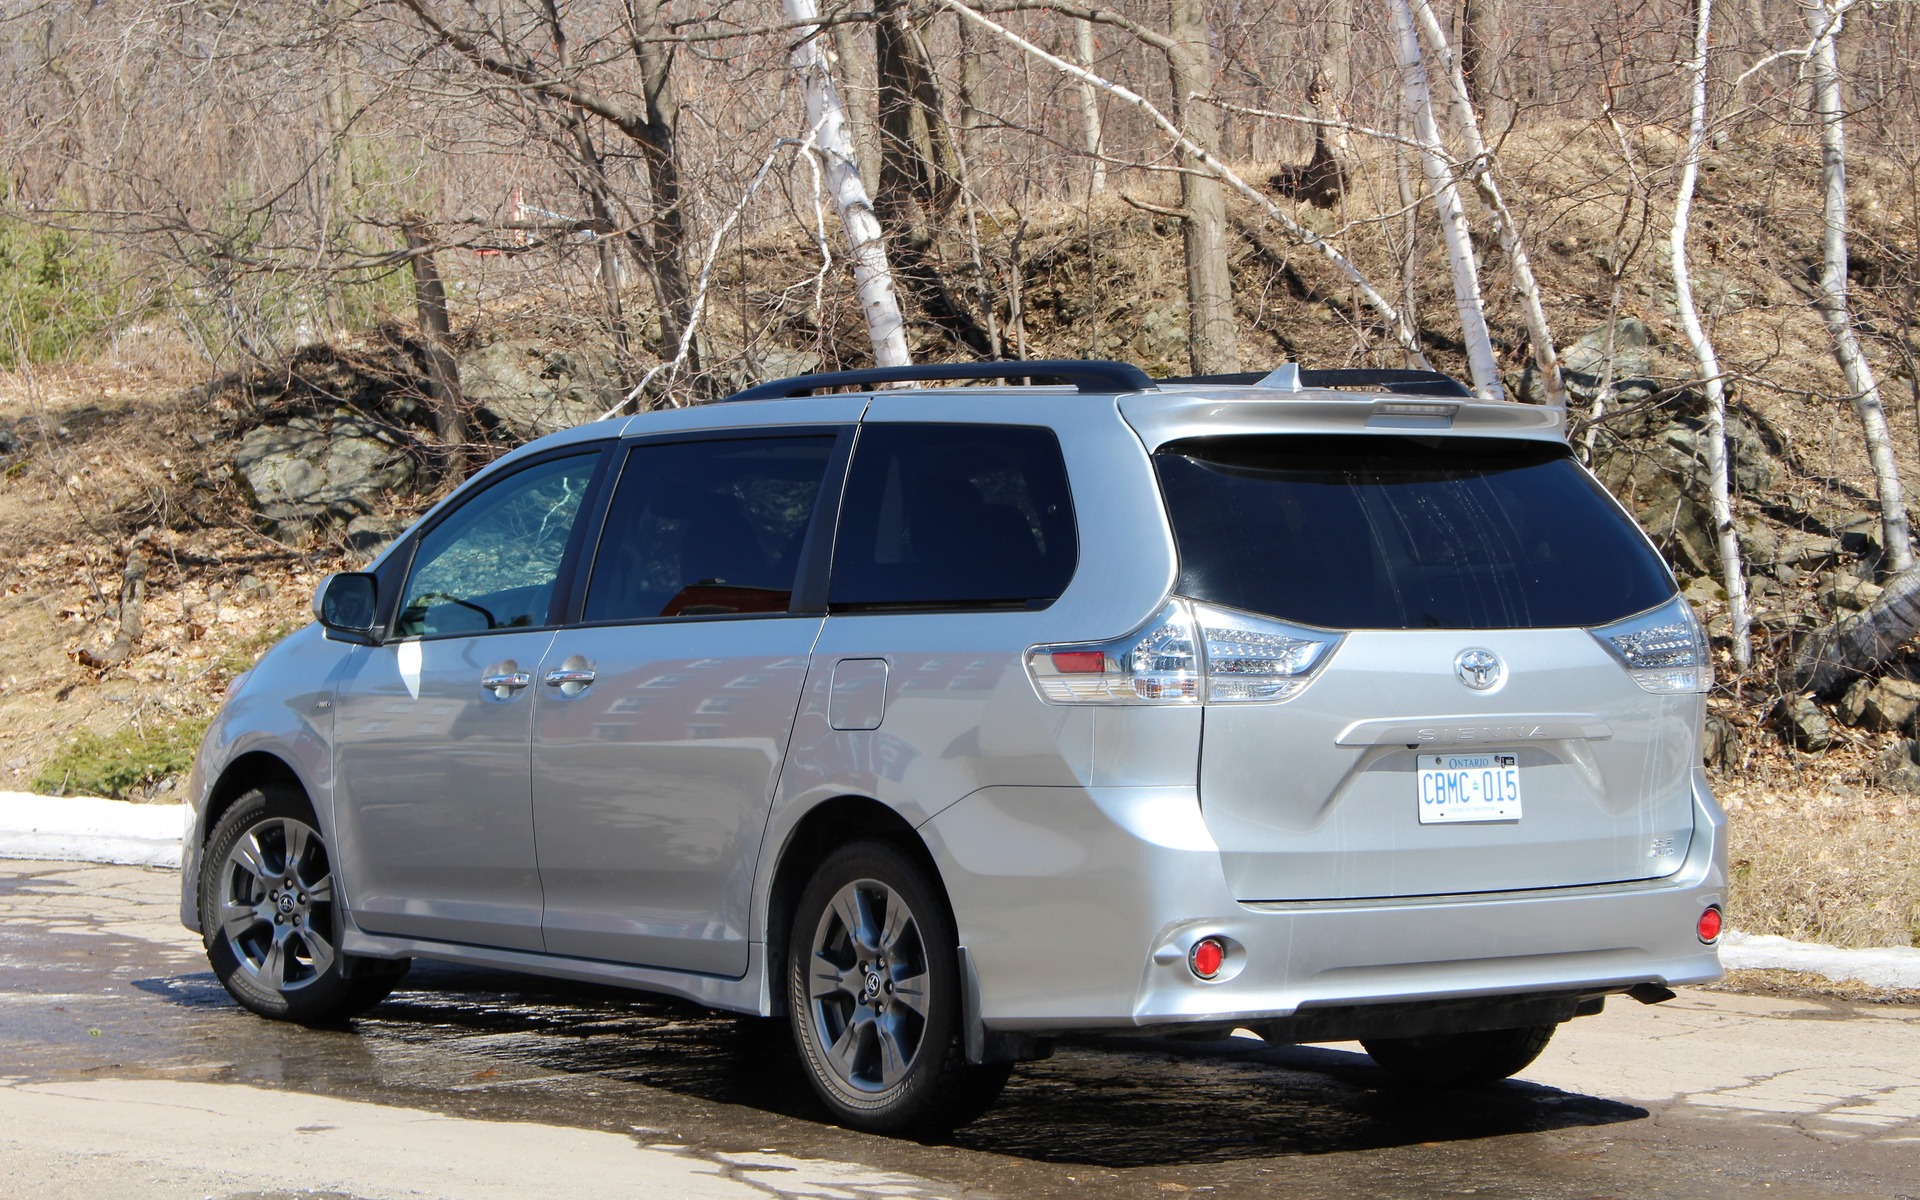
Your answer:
<point x="493" y="562"/>
<point x="954" y="515"/>
<point x="707" y="528"/>
<point x="1403" y="533"/>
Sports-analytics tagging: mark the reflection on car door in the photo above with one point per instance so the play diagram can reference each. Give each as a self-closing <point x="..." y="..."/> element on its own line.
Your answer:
<point x="661" y="721"/>
<point x="433" y="809"/>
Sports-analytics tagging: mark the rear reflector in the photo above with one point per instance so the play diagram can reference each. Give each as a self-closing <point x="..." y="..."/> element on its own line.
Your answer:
<point x="1710" y="925"/>
<point x="1206" y="957"/>
<point x="1079" y="662"/>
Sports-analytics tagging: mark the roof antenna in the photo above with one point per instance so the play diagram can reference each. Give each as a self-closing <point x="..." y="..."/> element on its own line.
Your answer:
<point x="1283" y="378"/>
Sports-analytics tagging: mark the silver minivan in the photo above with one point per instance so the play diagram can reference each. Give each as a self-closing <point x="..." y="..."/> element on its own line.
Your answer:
<point x="943" y="721"/>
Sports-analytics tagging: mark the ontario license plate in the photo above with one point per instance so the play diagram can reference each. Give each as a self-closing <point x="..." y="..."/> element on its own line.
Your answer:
<point x="1457" y="788"/>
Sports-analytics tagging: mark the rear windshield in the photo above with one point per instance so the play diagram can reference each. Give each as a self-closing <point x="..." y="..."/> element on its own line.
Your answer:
<point x="1386" y="532"/>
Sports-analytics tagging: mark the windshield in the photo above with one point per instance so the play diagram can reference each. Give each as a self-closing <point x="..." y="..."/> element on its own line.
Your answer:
<point x="1392" y="532"/>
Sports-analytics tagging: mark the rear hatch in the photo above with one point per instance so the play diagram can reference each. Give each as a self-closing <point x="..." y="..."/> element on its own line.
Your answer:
<point x="1480" y="724"/>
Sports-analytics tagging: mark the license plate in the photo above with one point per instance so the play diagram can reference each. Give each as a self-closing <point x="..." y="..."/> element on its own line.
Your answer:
<point x="1457" y="788"/>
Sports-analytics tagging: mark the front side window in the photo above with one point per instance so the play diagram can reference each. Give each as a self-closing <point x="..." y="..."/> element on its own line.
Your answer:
<point x="701" y="529"/>
<point x="492" y="564"/>
<point x="1388" y="532"/>
<point x="954" y="516"/>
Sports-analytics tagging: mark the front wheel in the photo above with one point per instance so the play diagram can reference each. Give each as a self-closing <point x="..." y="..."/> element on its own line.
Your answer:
<point x="1459" y="1059"/>
<point x="269" y="919"/>
<point x="874" y="998"/>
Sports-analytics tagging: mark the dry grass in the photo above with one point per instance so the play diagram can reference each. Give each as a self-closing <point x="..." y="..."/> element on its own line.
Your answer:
<point x="1807" y="986"/>
<point x="1825" y="862"/>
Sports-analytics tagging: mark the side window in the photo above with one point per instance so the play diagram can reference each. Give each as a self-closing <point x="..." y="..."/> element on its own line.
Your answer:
<point x="954" y="516"/>
<point x="493" y="562"/>
<point x="702" y="529"/>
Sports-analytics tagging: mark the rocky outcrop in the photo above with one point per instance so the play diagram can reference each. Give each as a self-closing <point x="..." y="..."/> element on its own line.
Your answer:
<point x="531" y="389"/>
<point x="311" y="471"/>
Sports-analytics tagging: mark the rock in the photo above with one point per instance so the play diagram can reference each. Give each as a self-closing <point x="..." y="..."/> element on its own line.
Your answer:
<point x="1898" y="766"/>
<point x="1845" y="593"/>
<point x="369" y="535"/>
<point x="1806" y="551"/>
<point x="1751" y="467"/>
<point x="1859" y="534"/>
<point x="1719" y="743"/>
<point x="312" y="470"/>
<point x="532" y="389"/>
<point x="1759" y="542"/>
<point x="1583" y="364"/>
<point x="1881" y="705"/>
<point x="1704" y="591"/>
<point x="1802" y="724"/>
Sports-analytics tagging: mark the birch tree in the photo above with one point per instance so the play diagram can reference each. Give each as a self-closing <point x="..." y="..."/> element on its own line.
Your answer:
<point x="1481" y="365"/>
<point x="1831" y="299"/>
<point x="1546" y="358"/>
<point x="1719" y="498"/>
<point x="866" y="242"/>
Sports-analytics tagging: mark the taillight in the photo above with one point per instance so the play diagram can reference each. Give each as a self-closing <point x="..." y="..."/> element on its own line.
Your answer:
<point x="1190" y="653"/>
<point x="1664" y="650"/>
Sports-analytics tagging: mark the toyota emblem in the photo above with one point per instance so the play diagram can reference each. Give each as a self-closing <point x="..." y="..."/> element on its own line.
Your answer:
<point x="1479" y="669"/>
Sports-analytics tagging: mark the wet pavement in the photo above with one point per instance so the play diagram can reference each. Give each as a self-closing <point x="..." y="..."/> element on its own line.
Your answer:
<point x="106" y="1006"/>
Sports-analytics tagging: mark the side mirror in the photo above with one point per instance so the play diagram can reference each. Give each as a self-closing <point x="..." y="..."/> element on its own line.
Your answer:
<point x="347" y="603"/>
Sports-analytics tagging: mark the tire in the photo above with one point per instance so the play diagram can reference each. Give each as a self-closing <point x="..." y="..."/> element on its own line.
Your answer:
<point x="873" y="995"/>
<point x="1460" y="1059"/>
<point x="269" y="919"/>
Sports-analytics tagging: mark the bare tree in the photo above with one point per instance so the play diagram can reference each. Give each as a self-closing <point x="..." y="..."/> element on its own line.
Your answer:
<point x="1454" y="234"/>
<point x="1826" y="19"/>
<point x="1719" y="498"/>
<point x="866" y="241"/>
<point x="1213" y="343"/>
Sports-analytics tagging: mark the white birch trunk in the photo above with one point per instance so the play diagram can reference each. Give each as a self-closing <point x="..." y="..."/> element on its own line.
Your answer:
<point x="1720" y="498"/>
<point x="1546" y="358"/>
<point x="1090" y="107"/>
<point x="827" y="117"/>
<point x="1832" y="301"/>
<point x="1446" y="196"/>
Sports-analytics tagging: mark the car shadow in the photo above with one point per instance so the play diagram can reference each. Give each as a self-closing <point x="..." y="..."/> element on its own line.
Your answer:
<point x="1112" y="1102"/>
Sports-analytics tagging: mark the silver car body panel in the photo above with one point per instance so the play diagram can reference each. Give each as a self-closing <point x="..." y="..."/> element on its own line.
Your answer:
<point x="1097" y="842"/>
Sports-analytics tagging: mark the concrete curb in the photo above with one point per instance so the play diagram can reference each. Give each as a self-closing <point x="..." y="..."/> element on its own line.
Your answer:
<point x="88" y="829"/>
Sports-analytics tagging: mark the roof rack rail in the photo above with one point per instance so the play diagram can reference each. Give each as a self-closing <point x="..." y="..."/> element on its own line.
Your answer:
<point x="1087" y="376"/>
<point x="1290" y="378"/>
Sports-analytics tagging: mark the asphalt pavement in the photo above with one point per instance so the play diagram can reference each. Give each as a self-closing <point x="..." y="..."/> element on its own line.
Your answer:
<point x="125" y="1070"/>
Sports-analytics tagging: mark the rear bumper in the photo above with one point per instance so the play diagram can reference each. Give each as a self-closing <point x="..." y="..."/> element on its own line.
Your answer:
<point x="1078" y="905"/>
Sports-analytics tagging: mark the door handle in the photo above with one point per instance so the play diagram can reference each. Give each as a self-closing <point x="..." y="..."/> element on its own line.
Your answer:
<point x="570" y="680"/>
<point x="503" y="684"/>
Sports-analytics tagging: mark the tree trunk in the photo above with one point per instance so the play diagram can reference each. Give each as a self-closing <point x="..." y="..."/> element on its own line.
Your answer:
<point x="1481" y="363"/>
<point x="1212" y="331"/>
<point x="443" y="373"/>
<point x="1546" y="358"/>
<point x="826" y="117"/>
<point x="591" y="175"/>
<point x="663" y="250"/>
<point x="1090" y="109"/>
<point x="1831" y="300"/>
<point x="1719" y="498"/>
<point x="1480" y="56"/>
<point x="1830" y="659"/>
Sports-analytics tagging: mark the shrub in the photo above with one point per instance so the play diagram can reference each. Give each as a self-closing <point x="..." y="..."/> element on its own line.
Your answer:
<point x="115" y="764"/>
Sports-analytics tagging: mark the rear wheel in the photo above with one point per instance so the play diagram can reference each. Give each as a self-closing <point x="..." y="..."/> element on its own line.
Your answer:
<point x="874" y="999"/>
<point x="269" y="919"/>
<point x="1460" y="1059"/>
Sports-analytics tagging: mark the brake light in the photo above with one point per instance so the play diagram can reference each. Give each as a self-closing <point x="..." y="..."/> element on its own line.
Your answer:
<point x="1188" y="654"/>
<point x="1664" y="650"/>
